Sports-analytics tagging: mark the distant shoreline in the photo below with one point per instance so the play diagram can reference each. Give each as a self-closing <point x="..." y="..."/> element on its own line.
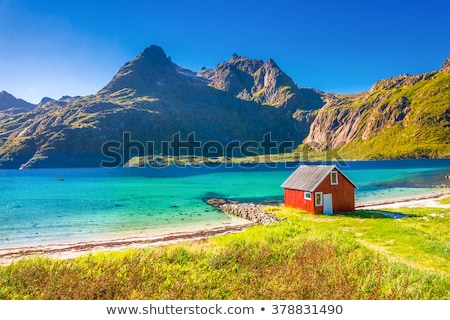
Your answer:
<point x="195" y="161"/>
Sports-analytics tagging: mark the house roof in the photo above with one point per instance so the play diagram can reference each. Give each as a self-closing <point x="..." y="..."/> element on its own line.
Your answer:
<point x="308" y="178"/>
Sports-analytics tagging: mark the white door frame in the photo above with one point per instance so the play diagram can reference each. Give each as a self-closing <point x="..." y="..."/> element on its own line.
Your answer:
<point x="328" y="203"/>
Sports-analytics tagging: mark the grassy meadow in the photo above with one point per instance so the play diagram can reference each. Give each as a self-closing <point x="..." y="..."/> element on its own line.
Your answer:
<point x="363" y="255"/>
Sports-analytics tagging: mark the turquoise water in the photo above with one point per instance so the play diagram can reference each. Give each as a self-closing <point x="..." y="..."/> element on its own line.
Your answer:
<point x="36" y="207"/>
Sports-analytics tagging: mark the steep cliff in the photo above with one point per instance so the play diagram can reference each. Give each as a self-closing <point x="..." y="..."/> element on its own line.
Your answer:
<point x="404" y="116"/>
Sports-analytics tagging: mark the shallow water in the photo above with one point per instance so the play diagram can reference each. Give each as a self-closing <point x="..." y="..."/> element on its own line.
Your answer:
<point x="46" y="206"/>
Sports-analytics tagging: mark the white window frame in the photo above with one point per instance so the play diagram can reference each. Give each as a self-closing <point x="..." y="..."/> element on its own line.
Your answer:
<point x="320" y="194"/>
<point x="307" y="194"/>
<point x="331" y="178"/>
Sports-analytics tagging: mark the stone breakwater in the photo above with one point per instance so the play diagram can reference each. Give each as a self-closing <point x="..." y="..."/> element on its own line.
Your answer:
<point x="443" y="185"/>
<point x="248" y="211"/>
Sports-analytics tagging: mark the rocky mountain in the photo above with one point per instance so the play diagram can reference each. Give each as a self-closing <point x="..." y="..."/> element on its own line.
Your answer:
<point x="407" y="116"/>
<point x="152" y="104"/>
<point x="10" y="104"/>
<point x="261" y="82"/>
<point x="152" y="99"/>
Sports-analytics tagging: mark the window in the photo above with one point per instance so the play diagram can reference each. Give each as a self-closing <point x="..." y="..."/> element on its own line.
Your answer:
<point x="308" y="195"/>
<point x="334" y="177"/>
<point x="318" y="199"/>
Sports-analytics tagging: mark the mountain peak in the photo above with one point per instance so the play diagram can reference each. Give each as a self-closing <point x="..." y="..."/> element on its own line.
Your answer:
<point x="9" y="102"/>
<point x="245" y="64"/>
<point x="149" y="71"/>
<point x="154" y="53"/>
<point x="236" y="58"/>
<point x="6" y="94"/>
<point x="272" y="64"/>
<point x="44" y="100"/>
<point x="233" y="57"/>
<point x="254" y="80"/>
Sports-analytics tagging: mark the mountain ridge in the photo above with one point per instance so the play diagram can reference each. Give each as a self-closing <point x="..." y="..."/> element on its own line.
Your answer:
<point x="254" y="80"/>
<point x="151" y="98"/>
<point x="241" y="99"/>
<point x="11" y="104"/>
<point x="407" y="116"/>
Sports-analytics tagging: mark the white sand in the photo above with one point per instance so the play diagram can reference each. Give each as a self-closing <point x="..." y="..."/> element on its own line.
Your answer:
<point x="72" y="250"/>
<point x="431" y="202"/>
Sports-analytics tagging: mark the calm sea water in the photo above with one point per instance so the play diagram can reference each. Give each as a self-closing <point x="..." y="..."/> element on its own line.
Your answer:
<point x="36" y="207"/>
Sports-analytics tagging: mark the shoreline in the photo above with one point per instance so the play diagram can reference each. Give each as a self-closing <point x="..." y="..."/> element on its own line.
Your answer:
<point x="73" y="250"/>
<point x="421" y="201"/>
<point x="76" y="249"/>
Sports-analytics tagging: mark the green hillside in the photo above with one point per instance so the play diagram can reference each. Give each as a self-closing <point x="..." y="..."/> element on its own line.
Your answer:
<point x="402" y="117"/>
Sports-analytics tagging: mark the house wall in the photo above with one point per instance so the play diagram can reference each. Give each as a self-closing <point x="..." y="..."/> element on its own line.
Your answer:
<point x="343" y="194"/>
<point x="296" y="199"/>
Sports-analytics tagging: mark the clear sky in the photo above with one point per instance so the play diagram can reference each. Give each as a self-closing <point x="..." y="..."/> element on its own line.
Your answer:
<point x="54" y="48"/>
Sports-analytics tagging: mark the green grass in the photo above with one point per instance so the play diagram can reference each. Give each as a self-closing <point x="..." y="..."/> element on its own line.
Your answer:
<point x="360" y="256"/>
<point x="421" y="239"/>
<point x="445" y="200"/>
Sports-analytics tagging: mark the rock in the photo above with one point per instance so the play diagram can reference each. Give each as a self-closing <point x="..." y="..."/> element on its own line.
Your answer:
<point x="265" y="83"/>
<point x="248" y="211"/>
<point x="446" y="65"/>
<point x="361" y="118"/>
<point x="217" y="203"/>
<point x="334" y="127"/>
<point x="10" y="103"/>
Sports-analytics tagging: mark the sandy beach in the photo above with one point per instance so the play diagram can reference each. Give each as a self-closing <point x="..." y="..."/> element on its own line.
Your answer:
<point x="426" y="201"/>
<point x="72" y="250"/>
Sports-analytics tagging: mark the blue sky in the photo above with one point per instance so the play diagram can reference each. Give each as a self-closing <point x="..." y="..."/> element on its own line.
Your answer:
<point x="55" y="48"/>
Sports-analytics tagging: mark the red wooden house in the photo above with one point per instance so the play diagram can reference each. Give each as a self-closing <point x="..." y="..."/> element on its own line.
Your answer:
<point x="319" y="189"/>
